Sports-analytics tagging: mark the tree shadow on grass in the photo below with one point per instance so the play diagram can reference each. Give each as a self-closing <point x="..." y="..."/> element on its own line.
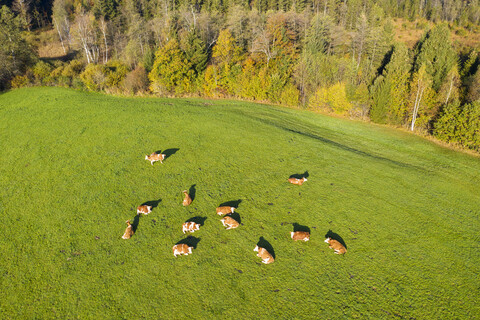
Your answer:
<point x="300" y="175"/>
<point x="335" y="236"/>
<point x="262" y="243"/>
<point x="299" y="227"/>
<point x="199" y="220"/>
<point x="190" y="241"/>
<point x="152" y="203"/>
<point x="231" y="203"/>
<point x="168" y="152"/>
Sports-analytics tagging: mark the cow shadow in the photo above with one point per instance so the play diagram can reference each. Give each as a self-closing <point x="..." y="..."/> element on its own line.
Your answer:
<point x="152" y="203"/>
<point x="231" y="203"/>
<point x="190" y="241"/>
<point x="192" y="191"/>
<point x="262" y="243"/>
<point x="198" y="220"/>
<point x="299" y="227"/>
<point x="236" y="217"/>
<point x="300" y="175"/>
<point x="335" y="236"/>
<point x="136" y="222"/>
<point x="168" y="152"/>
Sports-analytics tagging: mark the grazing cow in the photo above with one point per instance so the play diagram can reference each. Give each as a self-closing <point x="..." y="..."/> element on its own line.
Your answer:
<point x="264" y="254"/>
<point x="187" y="201"/>
<point x="190" y="227"/>
<point x="336" y="245"/>
<point x="297" y="181"/>
<point x="155" y="157"/>
<point x="180" y="249"/>
<point x="300" y="235"/>
<point x="128" y="231"/>
<point x="225" y="210"/>
<point x="144" y="209"/>
<point x="230" y="222"/>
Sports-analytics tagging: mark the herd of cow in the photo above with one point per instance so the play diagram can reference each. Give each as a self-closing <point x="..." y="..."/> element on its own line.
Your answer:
<point x="227" y="221"/>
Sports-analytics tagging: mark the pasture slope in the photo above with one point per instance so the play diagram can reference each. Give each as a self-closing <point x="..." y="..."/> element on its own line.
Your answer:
<point x="72" y="171"/>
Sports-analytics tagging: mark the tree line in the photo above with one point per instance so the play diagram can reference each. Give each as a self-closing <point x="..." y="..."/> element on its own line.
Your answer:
<point x="325" y="55"/>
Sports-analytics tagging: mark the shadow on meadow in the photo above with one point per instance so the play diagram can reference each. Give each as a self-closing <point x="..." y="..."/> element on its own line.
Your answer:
<point x="236" y="217"/>
<point x="231" y="203"/>
<point x="300" y="175"/>
<point x="192" y="191"/>
<point x="136" y="222"/>
<point x="152" y="203"/>
<point x="262" y="243"/>
<point x="199" y="220"/>
<point x="168" y="152"/>
<point x="299" y="227"/>
<point x="335" y="236"/>
<point x="190" y="241"/>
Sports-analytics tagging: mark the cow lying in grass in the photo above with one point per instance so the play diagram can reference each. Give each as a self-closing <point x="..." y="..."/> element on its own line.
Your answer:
<point x="187" y="200"/>
<point x="180" y="249"/>
<point x="225" y="210"/>
<point x="144" y="209"/>
<point x="229" y="222"/>
<point x="297" y="181"/>
<point x="336" y="245"/>
<point x="300" y="235"/>
<point x="128" y="231"/>
<point x="190" y="227"/>
<point x="264" y="254"/>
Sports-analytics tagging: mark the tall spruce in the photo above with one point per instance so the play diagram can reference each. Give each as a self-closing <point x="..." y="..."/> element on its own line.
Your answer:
<point x="390" y="90"/>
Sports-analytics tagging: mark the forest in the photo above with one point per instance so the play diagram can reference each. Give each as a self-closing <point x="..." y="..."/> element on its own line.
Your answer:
<point x="354" y="58"/>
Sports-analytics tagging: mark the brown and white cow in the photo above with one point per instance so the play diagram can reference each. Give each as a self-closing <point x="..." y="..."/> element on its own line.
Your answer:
<point x="180" y="249"/>
<point x="188" y="200"/>
<point x="128" y="231"/>
<point x="264" y="254"/>
<point x="155" y="157"/>
<point x="190" y="227"/>
<point x="300" y="235"/>
<point x="225" y="210"/>
<point x="336" y="245"/>
<point x="297" y="181"/>
<point x="144" y="209"/>
<point x="230" y="222"/>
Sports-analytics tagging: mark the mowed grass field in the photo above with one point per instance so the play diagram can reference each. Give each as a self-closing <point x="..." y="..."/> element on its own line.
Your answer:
<point x="73" y="170"/>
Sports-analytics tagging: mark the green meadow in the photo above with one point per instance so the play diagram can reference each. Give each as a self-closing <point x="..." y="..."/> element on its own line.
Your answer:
<point x="73" y="170"/>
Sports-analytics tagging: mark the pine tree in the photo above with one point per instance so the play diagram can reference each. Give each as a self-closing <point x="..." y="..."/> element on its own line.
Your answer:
<point x="437" y="54"/>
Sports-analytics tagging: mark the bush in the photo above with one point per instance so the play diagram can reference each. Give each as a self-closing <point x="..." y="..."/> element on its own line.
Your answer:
<point x="93" y="77"/>
<point x="41" y="72"/>
<point x="136" y="81"/>
<point x="115" y="72"/>
<point x="331" y="99"/>
<point x="290" y="95"/>
<point x="20" y="81"/>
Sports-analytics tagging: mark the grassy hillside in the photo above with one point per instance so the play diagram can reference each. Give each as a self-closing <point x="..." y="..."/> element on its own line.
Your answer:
<point x="72" y="171"/>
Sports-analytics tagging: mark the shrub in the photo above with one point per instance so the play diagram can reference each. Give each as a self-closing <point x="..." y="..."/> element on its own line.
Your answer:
<point x="115" y="72"/>
<point x="41" y="72"/>
<point x="136" y="81"/>
<point x="93" y="77"/>
<point x="20" y="81"/>
<point x="331" y="99"/>
<point x="290" y="95"/>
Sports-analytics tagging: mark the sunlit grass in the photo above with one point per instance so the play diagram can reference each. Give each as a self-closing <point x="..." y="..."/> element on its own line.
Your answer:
<point x="72" y="171"/>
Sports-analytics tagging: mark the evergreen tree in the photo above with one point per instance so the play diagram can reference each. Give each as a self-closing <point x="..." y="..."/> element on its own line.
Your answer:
<point x="437" y="54"/>
<point x="15" y="53"/>
<point x="390" y="90"/>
